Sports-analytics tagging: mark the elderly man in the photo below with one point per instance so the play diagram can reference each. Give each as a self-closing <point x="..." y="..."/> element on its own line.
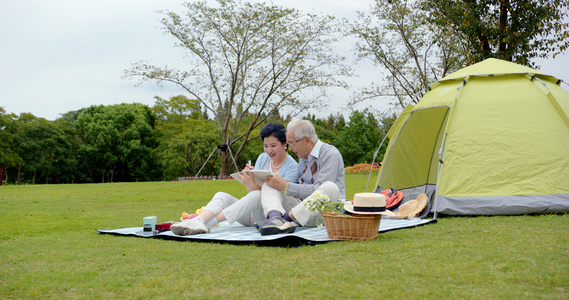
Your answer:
<point x="320" y="168"/>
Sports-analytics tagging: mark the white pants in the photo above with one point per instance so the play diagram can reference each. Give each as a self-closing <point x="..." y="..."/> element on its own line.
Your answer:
<point x="273" y="199"/>
<point x="246" y="211"/>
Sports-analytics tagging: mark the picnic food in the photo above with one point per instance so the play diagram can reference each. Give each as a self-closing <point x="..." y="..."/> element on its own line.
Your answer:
<point x="185" y="215"/>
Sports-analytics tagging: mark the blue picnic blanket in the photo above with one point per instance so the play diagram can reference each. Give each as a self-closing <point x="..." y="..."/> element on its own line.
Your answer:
<point x="236" y="233"/>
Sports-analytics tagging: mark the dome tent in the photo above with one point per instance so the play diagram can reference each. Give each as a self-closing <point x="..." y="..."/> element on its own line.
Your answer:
<point x="489" y="139"/>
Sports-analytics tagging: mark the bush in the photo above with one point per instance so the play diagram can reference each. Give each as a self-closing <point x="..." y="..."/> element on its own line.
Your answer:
<point x="362" y="168"/>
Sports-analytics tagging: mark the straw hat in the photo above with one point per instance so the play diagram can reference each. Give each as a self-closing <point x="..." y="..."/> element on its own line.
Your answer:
<point x="368" y="204"/>
<point x="413" y="207"/>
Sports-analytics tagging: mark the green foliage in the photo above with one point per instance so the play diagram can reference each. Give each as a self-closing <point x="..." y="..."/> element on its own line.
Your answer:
<point x="8" y="156"/>
<point x="45" y="150"/>
<point x="360" y="139"/>
<point x="329" y="129"/>
<point x="185" y="138"/>
<point x="455" y="258"/>
<point x="515" y="30"/>
<point x="120" y="143"/>
<point x="177" y="110"/>
<point x="336" y="122"/>
<point x="326" y="135"/>
<point x="184" y="147"/>
<point x="61" y="158"/>
<point x="117" y="141"/>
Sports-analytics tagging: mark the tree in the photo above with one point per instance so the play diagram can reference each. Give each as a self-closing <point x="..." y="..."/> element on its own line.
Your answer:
<point x="44" y="147"/>
<point x="327" y="136"/>
<point x="512" y="30"/>
<point x="396" y="37"/>
<point x="185" y="147"/>
<point x="360" y="138"/>
<point x="8" y="156"/>
<point x="177" y="109"/>
<point x="30" y="139"/>
<point x="248" y="60"/>
<point x="336" y="123"/>
<point x="60" y="158"/>
<point x="117" y="141"/>
<point x="64" y="158"/>
<point x="185" y="138"/>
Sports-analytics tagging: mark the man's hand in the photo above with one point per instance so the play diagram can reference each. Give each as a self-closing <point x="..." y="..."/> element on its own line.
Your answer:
<point x="276" y="182"/>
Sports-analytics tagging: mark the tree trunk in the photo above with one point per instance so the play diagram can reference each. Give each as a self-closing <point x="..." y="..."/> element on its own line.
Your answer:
<point x="502" y="48"/>
<point x="111" y="174"/>
<point x="1" y="174"/>
<point x="19" y="178"/>
<point x="225" y="164"/>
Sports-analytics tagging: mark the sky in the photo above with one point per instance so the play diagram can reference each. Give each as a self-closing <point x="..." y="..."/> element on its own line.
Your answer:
<point x="58" y="56"/>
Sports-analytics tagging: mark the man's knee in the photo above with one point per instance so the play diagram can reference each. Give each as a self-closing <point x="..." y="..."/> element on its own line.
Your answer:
<point x="331" y="190"/>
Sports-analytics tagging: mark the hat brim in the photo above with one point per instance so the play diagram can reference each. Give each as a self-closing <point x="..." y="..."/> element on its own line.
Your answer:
<point x="413" y="207"/>
<point x="348" y="206"/>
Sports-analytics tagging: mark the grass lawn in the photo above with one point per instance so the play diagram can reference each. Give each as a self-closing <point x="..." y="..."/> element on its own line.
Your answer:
<point x="49" y="249"/>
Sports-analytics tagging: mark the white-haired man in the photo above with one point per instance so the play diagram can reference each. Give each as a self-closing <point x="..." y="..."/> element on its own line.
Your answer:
<point x="320" y="168"/>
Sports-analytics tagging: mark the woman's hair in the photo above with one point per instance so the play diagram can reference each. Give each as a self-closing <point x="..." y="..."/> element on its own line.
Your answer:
<point x="275" y="129"/>
<point x="302" y="128"/>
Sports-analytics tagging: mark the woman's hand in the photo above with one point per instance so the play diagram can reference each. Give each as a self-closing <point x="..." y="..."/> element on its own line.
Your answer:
<point x="248" y="180"/>
<point x="248" y="167"/>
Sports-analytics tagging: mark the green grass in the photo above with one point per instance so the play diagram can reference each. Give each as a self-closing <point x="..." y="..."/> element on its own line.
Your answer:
<point x="49" y="249"/>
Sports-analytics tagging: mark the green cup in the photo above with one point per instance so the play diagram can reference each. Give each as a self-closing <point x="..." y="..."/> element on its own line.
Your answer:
<point x="149" y="223"/>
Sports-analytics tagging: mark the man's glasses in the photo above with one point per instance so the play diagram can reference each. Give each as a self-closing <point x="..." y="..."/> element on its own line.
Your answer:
<point x="290" y="144"/>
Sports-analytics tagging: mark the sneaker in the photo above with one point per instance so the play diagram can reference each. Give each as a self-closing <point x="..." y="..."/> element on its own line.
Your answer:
<point x="262" y="223"/>
<point x="189" y="227"/>
<point x="276" y="225"/>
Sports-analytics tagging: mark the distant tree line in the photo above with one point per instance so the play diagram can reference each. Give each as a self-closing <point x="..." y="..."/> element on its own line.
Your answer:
<point x="135" y="142"/>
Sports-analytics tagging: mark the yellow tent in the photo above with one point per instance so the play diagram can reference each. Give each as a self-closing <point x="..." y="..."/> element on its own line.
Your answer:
<point x="492" y="138"/>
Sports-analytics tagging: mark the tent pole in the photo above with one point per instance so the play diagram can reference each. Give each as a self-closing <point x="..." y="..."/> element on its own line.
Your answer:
<point x="212" y="152"/>
<point x="373" y="161"/>
<point x="439" y="170"/>
<point x="441" y="150"/>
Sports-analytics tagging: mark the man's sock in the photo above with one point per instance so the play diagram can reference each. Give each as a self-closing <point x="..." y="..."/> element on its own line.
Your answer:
<point x="274" y="214"/>
<point x="198" y="218"/>
<point x="286" y="217"/>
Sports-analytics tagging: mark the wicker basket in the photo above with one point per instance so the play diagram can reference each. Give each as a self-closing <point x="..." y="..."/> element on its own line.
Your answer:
<point x="351" y="227"/>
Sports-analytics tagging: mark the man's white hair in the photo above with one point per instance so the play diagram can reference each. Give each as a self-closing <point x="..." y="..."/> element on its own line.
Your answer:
<point x="302" y="128"/>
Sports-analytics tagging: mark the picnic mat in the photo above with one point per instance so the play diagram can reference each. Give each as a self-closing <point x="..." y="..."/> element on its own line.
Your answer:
<point x="239" y="234"/>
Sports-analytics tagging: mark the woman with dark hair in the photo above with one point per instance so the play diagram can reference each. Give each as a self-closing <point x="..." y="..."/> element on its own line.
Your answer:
<point x="247" y="210"/>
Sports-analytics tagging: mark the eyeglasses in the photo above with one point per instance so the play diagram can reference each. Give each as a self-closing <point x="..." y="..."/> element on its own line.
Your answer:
<point x="290" y="144"/>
